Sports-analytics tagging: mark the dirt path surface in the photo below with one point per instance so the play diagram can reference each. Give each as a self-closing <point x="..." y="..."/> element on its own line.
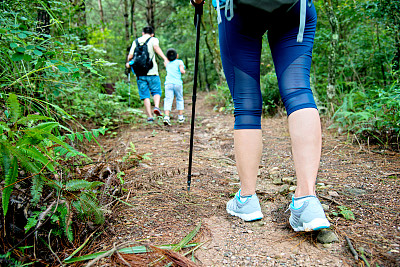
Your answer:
<point x="352" y="177"/>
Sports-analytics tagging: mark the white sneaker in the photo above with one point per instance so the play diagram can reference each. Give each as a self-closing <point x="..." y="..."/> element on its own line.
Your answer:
<point x="167" y="121"/>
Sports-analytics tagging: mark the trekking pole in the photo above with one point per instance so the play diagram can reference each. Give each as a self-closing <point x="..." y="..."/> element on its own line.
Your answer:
<point x="129" y="81"/>
<point x="197" y="19"/>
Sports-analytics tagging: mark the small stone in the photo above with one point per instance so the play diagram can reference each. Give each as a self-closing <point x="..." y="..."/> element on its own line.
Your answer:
<point x="325" y="207"/>
<point x="274" y="170"/>
<point x="333" y="193"/>
<point x="356" y="191"/>
<point x="284" y="189"/>
<point x="327" y="236"/>
<point x="277" y="181"/>
<point x="228" y="254"/>
<point x="288" y="180"/>
<point x="261" y="223"/>
<point x="329" y="245"/>
<point x="292" y="188"/>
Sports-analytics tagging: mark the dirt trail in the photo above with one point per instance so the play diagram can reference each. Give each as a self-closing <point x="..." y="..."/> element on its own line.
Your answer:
<point x="162" y="211"/>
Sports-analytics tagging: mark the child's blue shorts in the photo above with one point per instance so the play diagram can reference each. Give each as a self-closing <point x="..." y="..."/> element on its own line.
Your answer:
<point x="240" y="44"/>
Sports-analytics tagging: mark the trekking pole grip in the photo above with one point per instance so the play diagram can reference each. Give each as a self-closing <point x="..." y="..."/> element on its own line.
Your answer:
<point x="198" y="8"/>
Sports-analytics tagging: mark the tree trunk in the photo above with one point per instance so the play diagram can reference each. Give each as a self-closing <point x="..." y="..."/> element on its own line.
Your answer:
<point x="126" y="20"/>
<point x="43" y="19"/>
<point x="101" y="15"/>
<point x="331" y="88"/>
<point x="205" y="73"/>
<point x="133" y="22"/>
<point x="212" y="42"/>
<point x="150" y="13"/>
<point x="380" y="58"/>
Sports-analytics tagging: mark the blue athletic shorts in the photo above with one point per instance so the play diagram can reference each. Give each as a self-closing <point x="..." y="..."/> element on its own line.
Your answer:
<point x="148" y="84"/>
<point x="240" y="45"/>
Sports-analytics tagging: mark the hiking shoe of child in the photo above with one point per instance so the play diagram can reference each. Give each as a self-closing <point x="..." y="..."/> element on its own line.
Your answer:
<point x="150" y="120"/>
<point x="246" y="208"/>
<point x="181" y="119"/>
<point x="157" y="111"/>
<point x="167" y="121"/>
<point x="307" y="214"/>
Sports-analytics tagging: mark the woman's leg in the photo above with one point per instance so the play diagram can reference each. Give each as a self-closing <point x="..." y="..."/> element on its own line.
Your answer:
<point x="240" y="46"/>
<point x="305" y="134"/>
<point x="248" y="149"/>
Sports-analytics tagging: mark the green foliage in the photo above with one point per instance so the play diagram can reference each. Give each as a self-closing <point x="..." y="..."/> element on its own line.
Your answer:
<point x="27" y="148"/>
<point x="270" y="93"/>
<point x="346" y="213"/>
<point x="132" y="157"/>
<point x="221" y="99"/>
<point x="29" y="143"/>
<point x="372" y="113"/>
<point x="124" y="90"/>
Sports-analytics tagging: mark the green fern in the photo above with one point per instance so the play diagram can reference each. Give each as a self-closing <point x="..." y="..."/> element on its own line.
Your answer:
<point x="13" y="107"/>
<point x="10" y="178"/>
<point x="75" y="185"/>
<point x="90" y="206"/>
<point x="37" y="188"/>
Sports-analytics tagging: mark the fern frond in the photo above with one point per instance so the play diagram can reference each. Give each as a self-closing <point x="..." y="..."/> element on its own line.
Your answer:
<point x="91" y="207"/>
<point x="33" y="153"/>
<point x="75" y="185"/>
<point x="45" y="127"/>
<point x="32" y="118"/>
<point x="3" y="127"/>
<point x="70" y="148"/>
<point x="36" y="189"/>
<point x="24" y="161"/>
<point x="5" y="155"/>
<point x="14" y="107"/>
<point x="11" y="177"/>
<point x="88" y="135"/>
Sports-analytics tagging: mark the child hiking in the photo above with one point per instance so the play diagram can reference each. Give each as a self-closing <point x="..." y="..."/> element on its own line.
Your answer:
<point x="173" y="86"/>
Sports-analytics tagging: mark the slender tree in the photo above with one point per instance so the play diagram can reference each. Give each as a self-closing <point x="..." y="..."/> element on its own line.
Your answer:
<point x="332" y="57"/>
<point x="133" y="22"/>
<point x="43" y="18"/>
<point x="101" y="15"/>
<point x="126" y="20"/>
<point x="150" y="9"/>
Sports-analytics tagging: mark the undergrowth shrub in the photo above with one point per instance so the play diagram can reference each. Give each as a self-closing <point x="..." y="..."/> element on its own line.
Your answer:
<point x="372" y="114"/>
<point x="33" y="152"/>
<point x="270" y="93"/>
<point x="221" y="99"/>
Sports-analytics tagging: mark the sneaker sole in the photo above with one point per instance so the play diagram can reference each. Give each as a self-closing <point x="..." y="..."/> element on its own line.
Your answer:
<point x="254" y="216"/>
<point x="157" y="112"/>
<point x="314" y="225"/>
<point x="167" y="124"/>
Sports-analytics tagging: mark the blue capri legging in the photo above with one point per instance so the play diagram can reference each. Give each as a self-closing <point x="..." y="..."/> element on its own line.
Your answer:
<point x="240" y="44"/>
